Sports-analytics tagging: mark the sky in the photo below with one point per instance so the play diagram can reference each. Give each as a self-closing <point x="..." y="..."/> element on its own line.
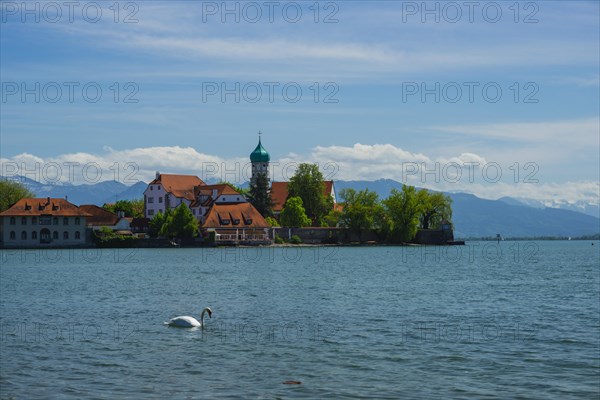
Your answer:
<point x="491" y="98"/>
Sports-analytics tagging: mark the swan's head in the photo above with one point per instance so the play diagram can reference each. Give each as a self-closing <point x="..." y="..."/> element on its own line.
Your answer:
<point x="209" y="311"/>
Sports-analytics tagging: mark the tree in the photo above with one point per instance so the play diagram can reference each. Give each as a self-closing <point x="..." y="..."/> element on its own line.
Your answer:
<point x="180" y="223"/>
<point x="272" y="221"/>
<point x="293" y="213"/>
<point x="157" y="222"/>
<point x="333" y="218"/>
<point x="259" y="195"/>
<point x="360" y="210"/>
<point x="11" y="192"/>
<point x="308" y="184"/>
<point x="403" y="210"/>
<point x="131" y="208"/>
<point x="435" y="207"/>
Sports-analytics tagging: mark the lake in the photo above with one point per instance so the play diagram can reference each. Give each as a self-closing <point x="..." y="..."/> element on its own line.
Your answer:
<point x="485" y="320"/>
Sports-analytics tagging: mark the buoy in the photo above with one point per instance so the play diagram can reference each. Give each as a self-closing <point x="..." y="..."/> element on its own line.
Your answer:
<point x="292" y="383"/>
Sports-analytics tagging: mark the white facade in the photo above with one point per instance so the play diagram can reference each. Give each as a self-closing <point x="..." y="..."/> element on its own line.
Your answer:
<point x="42" y="231"/>
<point x="156" y="199"/>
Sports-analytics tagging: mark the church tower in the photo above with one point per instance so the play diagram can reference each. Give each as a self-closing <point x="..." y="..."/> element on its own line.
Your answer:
<point x="260" y="161"/>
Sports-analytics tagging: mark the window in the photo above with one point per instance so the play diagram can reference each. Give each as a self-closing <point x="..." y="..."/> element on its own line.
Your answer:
<point x="160" y="199"/>
<point x="23" y="235"/>
<point x="55" y="221"/>
<point x="13" y="220"/>
<point x="65" y="235"/>
<point x="45" y="236"/>
<point x="33" y="220"/>
<point x="150" y="200"/>
<point x="23" y="220"/>
<point x="194" y="211"/>
<point x="77" y="221"/>
<point x="45" y="221"/>
<point x="55" y="235"/>
<point x="238" y="199"/>
<point x="13" y="235"/>
<point x="151" y="187"/>
<point x="150" y="212"/>
<point x="77" y="235"/>
<point x="65" y="221"/>
<point x="34" y="235"/>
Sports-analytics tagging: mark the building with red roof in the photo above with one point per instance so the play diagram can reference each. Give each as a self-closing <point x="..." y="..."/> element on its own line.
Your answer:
<point x="168" y="191"/>
<point x="43" y="222"/>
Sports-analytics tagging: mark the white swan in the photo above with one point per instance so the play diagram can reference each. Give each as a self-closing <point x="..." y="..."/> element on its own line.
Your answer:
<point x="190" y="322"/>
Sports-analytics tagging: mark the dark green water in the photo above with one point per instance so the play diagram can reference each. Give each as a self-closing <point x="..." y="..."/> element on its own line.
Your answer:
<point x="519" y="319"/>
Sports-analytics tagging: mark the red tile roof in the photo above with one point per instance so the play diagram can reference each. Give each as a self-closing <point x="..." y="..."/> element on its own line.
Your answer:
<point x="246" y="215"/>
<point x="179" y="185"/>
<point x="279" y="193"/>
<point x="46" y="206"/>
<point x="99" y="216"/>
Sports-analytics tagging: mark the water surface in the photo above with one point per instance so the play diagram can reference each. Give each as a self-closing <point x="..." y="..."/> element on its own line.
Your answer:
<point x="518" y="319"/>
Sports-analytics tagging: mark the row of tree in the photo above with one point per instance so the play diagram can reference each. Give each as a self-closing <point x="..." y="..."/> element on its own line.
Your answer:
<point x="397" y="218"/>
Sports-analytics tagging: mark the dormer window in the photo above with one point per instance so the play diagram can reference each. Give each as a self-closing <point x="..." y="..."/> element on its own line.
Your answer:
<point x="236" y="221"/>
<point x="223" y="221"/>
<point x="249" y="221"/>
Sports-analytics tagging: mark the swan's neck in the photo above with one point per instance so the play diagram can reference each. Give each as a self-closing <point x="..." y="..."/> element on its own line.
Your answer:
<point x="202" y="317"/>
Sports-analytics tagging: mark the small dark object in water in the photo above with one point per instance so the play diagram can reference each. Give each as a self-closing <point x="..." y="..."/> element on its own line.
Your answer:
<point x="292" y="383"/>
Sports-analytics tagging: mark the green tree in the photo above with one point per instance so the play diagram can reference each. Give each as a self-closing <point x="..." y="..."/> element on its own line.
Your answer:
<point x="180" y="223"/>
<point x="360" y="210"/>
<point x="293" y="213"/>
<point x="403" y="210"/>
<point x="272" y="221"/>
<point x="435" y="207"/>
<point x="11" y="192"/>
<point x="308" y="184"/>
<point x="333" y="218"/>
<point x="259" y="195"/>
<point x="157" y="222"/>
<point x="131" y="208"/>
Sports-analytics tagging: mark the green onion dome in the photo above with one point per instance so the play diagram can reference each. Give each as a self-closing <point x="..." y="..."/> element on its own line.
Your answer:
<point x="259" y="154"/>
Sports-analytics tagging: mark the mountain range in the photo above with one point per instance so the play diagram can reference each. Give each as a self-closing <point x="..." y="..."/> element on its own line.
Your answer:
<point x="472" y="217"/>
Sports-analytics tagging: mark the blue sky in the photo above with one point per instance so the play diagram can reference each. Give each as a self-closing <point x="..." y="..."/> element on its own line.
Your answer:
<point x="369" y="57"/>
